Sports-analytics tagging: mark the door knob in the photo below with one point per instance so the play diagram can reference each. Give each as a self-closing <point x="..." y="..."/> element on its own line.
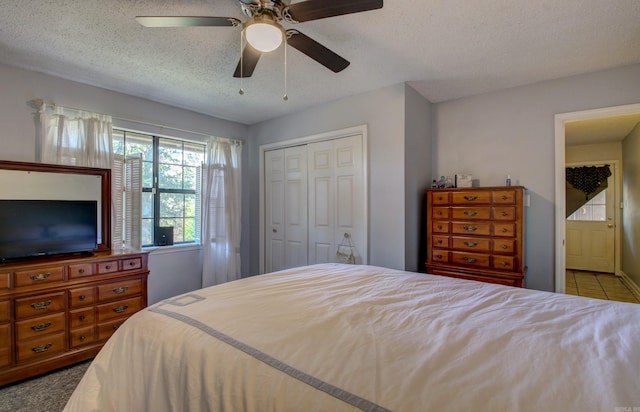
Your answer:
<point x="274" y="230"/>
<point x="610" y="225"/>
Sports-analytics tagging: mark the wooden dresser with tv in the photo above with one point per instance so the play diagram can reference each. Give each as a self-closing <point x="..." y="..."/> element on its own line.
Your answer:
<point x="58" y="311"/>
<point x="63" y="289"/>
<point x="476" y="233"/>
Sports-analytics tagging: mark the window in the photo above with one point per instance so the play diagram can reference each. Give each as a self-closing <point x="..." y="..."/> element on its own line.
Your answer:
<point x="594" y="210"/>
<point x="171" y="182"/>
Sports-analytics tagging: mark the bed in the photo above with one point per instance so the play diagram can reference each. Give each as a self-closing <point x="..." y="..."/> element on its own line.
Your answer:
<point x="335" y="337"/>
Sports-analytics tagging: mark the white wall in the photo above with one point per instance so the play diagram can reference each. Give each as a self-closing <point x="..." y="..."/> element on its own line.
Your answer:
<point x="631" y="202"/>
<point x="512" y="132"/>
<point x="417" y="174"/>
<point x="383" y="111"/>
<point x="17" y="142"/>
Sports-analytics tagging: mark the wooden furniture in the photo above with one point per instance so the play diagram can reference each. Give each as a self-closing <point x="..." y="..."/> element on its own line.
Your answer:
<point x="476" y="233"/>
<point x="58" y="311"/>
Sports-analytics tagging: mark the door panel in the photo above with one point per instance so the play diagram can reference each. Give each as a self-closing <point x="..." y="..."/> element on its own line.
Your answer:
<point x="591" y="242"/>
<point x="274" y="210"/>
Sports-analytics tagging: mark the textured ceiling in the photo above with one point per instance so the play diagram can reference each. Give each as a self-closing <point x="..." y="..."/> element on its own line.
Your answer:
<point x="445" y="49"/>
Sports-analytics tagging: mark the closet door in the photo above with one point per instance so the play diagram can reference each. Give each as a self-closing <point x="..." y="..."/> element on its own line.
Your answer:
<point x="336" y="197"/>
<point x="286" y="208"/>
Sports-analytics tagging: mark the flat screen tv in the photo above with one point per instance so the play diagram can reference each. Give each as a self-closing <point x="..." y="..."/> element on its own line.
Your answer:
<point x="47" y="227"/>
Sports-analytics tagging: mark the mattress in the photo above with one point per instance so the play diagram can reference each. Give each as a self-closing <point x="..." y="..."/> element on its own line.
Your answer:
<point x="335" y="337"/>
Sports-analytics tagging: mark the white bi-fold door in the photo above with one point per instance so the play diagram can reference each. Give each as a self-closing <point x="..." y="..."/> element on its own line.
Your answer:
<point x="314" y="194"/>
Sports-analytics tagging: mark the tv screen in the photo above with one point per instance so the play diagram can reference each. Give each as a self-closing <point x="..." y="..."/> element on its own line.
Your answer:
<point x="47" y="227"/>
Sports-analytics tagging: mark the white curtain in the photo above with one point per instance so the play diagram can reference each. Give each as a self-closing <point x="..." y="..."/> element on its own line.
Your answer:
<point x="79" y="138"/>
<point x="73" y="137"/>
<point x="221" y="212"/>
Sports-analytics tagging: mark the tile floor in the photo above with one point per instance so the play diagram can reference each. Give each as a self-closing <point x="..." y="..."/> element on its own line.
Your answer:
<point x="598" y="285"/>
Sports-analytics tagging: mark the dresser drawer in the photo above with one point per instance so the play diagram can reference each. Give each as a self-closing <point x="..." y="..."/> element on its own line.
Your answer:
<point x="82" y="297"/>
<point x="81" y="317"/>
<point x="40" y="305"/>
<point x="131" y="263"/>
<point x="109" y="266"/>
<point x="5" y="348"/>
<point x="106" y="329"/>
<point x="118" y="309"/>
<point x="470" y="259"/>
<point x="504" y="229"/>
<point x="471" y="228"/>
<point x="4" y="311"/>
<point x="5" y="278"/>
<point x="440" y="226"/>
<point x="5" y="336"/>
<point x="504" y="262"/>
<point x="39" y="276"/>
<point x="440" y="241"/>
<point x="83" y="336"/>
<point x="440" y="198"/>
<point x="440" y="256"/>
<point x="504" y="213"/>
<point x="470" y="197"/>
<point x="81" y="270"/>
<point x="42" y="347"/>
<point x="466" y="213"/>
<point x="118" y="290"/>
<point x="42" y="325"/>
<point x="472" y="244"/>
<point x="504" y="246"/>
<point x="440" y="213"/>
<point x="504" y="196"/>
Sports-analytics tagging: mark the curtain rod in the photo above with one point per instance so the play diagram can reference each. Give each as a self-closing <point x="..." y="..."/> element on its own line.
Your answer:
<point x="38" y="103"/>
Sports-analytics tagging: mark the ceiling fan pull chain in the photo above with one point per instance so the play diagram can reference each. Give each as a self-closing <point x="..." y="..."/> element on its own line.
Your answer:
<point x="241" y="63"/>
<point x="285" y="97"/>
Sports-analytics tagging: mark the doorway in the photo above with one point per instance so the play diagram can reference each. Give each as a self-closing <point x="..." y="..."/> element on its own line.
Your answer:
<point x="561" y="121"/>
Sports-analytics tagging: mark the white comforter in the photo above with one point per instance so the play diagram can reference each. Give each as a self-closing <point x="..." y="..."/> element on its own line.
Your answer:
<point x="341" y="338"/>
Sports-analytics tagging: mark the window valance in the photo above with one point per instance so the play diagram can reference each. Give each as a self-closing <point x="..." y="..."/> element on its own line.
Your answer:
<point x="587" y="178"/>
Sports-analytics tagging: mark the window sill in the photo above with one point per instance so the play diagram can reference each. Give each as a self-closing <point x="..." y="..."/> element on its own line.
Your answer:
<point x="157" y="250"/>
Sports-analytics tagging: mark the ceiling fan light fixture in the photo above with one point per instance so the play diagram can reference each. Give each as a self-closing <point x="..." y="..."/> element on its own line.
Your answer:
<point x="264" y="34"/>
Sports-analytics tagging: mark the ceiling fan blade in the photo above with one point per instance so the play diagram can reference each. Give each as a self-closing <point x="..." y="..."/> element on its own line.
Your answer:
<point x="250" y="57"/>
<point x="320" y="9"/>
<point x="316" y="51"/>
<point x="187" y="21"/>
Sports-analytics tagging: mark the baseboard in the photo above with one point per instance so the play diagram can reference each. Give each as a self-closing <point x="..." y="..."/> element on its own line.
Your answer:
<point x="635" y="289"/>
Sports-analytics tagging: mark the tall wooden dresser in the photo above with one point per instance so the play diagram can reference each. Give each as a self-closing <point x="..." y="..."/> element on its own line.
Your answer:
<point x="58" y="311"/>
<point x="476" y="233"/>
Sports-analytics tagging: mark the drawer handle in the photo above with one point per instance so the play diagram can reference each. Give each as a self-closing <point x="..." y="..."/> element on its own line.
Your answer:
<point x="505" y="247"/>
<point x="470" y="212"/>
<point x="41" y="305"/>
<point x="470" y="228"/>
<point x="504" y="263"/>
<point x="41" y="327"/>
<point x="132" y="263"/>
<point x="82" y="318"/>
<point x="82" y="297"/>
<point x="505" y="214"/>
<point x="116" y="327"/>
<point x="81" y="271"/>
<point x="41" y="348"/>
<point x="504" y="230"/>
<point x="470" y="260"/>
<point x="120" y="309"/>
<point x="470" y="244"/>
<point x="471" y="198"/>
<point x="40" y="276"/>
<point x="108" y="267"/>
<point x="439" y="256"/>
<point x="504" y="197"/>
<point x="120" y="290"/>
<point x="83" y="338"/>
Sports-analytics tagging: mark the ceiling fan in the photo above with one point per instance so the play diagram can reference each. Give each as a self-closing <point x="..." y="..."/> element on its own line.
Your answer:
<point x="264" y="31"/>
